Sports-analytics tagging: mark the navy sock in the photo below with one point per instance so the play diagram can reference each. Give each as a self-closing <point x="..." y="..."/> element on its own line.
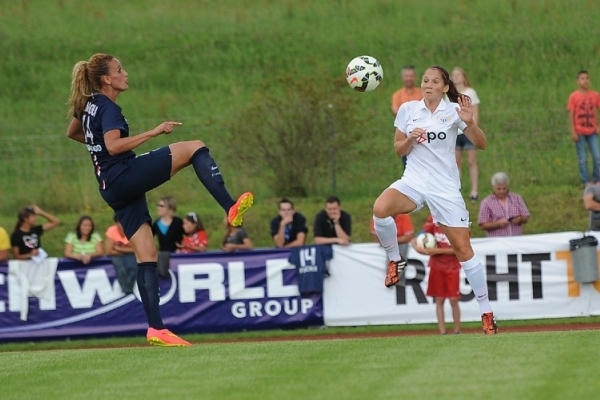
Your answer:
<point x="208" y="172"/>
<point x="147" y="280"/>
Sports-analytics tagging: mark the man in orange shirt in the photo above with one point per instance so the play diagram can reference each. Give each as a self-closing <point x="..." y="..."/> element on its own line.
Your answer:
<point x="582" y="107"/>
<point x="410" y="91"/>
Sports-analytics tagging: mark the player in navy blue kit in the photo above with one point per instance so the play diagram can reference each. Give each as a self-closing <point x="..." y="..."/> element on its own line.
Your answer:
<point x="124" y="178"/>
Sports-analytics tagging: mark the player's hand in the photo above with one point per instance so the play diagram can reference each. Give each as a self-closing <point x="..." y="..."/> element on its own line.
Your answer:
<point x="465" y="111"/>
<point x="165" y="127"/>
<point x="416" y="134"/>
<point x="575" y="137"/>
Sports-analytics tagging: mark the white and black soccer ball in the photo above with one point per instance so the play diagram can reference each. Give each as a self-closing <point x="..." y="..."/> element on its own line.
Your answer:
<point x="364" y="73"/>
<point x="426" y="240"/>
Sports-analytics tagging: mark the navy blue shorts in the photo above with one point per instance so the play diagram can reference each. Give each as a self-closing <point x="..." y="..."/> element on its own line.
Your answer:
<point x="463" y="143"/>
<point x="126" y="195"/>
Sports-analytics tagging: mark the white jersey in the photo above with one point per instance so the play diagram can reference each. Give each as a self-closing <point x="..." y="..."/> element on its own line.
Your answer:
<point x="431" y="163"/>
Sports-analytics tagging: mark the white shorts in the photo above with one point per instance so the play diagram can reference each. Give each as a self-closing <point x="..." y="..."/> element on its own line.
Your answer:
<point x="447" y="209"/>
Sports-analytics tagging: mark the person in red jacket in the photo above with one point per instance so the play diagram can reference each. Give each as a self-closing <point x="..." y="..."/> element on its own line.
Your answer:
<point x="444" y="277"/>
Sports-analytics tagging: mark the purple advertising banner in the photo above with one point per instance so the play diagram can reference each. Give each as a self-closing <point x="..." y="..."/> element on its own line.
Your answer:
<point x="210" y="292"/>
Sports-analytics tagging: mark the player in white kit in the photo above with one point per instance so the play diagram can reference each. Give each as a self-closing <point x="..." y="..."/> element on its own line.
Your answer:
<point x="426" y="133"/>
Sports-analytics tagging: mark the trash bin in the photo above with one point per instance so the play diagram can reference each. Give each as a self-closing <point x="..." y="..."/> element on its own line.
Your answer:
<point x="585" y="259"/>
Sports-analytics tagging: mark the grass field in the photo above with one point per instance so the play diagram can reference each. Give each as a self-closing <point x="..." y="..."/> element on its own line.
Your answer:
<point x="201" y="62"/>
<point x="555" y="365"/>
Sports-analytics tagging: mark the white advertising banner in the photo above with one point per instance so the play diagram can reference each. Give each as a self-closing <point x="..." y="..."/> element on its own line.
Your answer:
<point x="528" y="277"/>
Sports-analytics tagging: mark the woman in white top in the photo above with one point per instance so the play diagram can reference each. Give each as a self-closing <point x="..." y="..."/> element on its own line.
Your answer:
<point x="426" y="133"/>
<point x="463" y="144"/>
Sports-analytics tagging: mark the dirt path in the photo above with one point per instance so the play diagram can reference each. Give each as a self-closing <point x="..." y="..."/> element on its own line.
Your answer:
<point x="343" y="336"/>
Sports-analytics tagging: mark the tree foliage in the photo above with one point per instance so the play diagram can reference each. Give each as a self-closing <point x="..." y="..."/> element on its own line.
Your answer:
<point x="293" y="128"/>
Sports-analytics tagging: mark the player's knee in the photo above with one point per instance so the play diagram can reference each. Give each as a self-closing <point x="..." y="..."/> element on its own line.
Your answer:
<point x="463" y="252"/>
<point x="380" y="210"/>
<point x="195" y="145"/>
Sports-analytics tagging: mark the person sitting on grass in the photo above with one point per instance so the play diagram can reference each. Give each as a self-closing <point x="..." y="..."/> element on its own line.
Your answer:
<point x="235" y="238"/>
<point x="195" y="239"/>
<point x="26" y="238"/>
<point x="84" y="244"/>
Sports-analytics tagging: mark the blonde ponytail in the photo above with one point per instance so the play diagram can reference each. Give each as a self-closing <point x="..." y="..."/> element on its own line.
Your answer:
<point x="86" y="79"/>
<point x="81" y="89"/>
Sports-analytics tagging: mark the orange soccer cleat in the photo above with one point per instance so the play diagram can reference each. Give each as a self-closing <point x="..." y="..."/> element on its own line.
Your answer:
<point x="165" y="338"/>
<point x="244" y="202"/>
<point x="489" y="324"/>
<point x="394" y="272"/>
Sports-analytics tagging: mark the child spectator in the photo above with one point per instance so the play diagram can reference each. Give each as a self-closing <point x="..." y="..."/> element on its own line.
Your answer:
<point x="195" y="239"/>
<point x="235" y="238"/>
<point x="26" y="238"/>
<point x="582" y="107"/>
<point x="121" y="254"/>
<point x="444" y="277"/>
<point x="84" y="244"/>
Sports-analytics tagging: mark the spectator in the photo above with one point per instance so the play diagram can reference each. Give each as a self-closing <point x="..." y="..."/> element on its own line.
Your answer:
<point x="591" y="202"/>
<point x="405" y="232"/>
<point x="195" y="239"/>
<point x="288" y="229"/>
<point x="502" y="213"/>
<point x="333" y="225"/>
<point x="169" y="231"/>
<point x="235" y="238"/>
<point x="121" y="254"/>
<point x="444" y="277"/>
<point x="84" y="244"/>
<point x="409" y="92"/>
<point x="4" y="245"/>
<point x="26" y="238"/>
<point x="584" y="129"/>
<point x="168" y="228"/>
<point x="463" y="144"/>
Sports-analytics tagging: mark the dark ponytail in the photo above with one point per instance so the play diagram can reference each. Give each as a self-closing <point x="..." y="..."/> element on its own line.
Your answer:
<point x="453" y="93"/>
<point x="24" y="213"/>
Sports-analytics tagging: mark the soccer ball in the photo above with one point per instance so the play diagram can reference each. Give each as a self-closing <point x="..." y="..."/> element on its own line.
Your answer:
<point x="364" y="73"/>
<point x="426" y="240"/>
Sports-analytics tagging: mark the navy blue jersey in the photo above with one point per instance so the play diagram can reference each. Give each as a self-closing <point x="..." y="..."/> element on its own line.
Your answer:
<point x="311" y="266"/>
<point x="101" y="115"/>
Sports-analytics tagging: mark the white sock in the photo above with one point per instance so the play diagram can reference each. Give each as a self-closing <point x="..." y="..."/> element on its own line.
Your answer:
<point x="387" y="233"/>
<point x="476" y="277"/>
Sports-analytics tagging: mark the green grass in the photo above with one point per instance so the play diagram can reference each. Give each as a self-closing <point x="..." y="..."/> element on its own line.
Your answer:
<point x="554" y="365"/>
<point x="269" y="334"/>
<point x="200" y="62"/>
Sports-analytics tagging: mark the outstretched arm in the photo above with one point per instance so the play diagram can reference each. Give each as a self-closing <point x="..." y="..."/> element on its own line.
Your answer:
<point x="115" y="144"/>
